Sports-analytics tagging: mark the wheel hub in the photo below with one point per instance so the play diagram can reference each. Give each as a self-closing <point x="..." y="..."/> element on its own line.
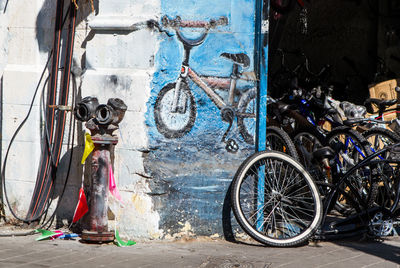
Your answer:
<point x="277" y="195"/>
<point x="380" y="226"/>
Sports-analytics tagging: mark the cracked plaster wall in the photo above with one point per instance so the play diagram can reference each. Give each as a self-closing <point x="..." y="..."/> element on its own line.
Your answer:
<point x="119" y="63"/>
<point x="170" y="188"/>
<point x="108" y="64"/>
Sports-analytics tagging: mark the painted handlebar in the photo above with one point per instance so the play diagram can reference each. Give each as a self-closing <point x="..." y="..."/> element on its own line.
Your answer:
<point x="178" y="22"/>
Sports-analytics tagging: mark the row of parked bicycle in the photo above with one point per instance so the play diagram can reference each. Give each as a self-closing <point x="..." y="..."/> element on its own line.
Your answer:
<point x="312" y="181"/>
<point x="316" y="181"/>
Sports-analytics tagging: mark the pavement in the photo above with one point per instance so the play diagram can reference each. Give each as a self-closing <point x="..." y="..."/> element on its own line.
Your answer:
<point x="24" y="251"/>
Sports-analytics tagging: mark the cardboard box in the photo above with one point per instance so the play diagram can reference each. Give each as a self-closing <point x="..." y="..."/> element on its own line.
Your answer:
<point x="384" y="90"/>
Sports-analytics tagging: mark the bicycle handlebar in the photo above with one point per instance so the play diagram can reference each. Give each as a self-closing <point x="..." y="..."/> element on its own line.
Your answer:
<point x="306" y="62"/>
<point x="179" y="23"/>
<point x="355" y="121"/>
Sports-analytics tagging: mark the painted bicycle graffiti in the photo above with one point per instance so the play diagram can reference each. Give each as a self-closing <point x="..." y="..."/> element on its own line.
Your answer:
<point x="175" y="107"/>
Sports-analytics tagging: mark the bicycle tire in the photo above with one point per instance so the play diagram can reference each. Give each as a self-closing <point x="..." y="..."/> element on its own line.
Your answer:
<point x="291" y="200"/>
<point x="387" y="186"/>
<point x="380" y="137"/>
<point x="356" y="192"/>
<point x="384" y="191"/>
<point x="334" y="139"/>
<point x="306" y="144"/>
<point x="161" y="110"/>
<point x="278" y="140"/>
<point x="247" y="106"/>
<point x="347" y="157"/>
<point x="363" y="207"/>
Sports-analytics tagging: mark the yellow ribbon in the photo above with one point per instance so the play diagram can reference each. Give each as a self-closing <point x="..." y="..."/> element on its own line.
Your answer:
<point x="89" y="146"/>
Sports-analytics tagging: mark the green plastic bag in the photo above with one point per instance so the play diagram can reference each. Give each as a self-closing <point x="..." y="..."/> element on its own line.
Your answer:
<point x="118" y="241"/>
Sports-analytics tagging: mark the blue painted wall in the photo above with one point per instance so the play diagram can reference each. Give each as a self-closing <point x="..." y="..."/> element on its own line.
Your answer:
<point x="191" y="174"/>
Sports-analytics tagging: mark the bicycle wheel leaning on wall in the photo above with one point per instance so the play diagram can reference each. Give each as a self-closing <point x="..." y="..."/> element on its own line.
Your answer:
<point x="246" y="118"/>
<point x="275" y="200"/>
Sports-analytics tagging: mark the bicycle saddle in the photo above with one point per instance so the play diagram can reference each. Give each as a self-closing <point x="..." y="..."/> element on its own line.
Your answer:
<point x="324" y="152"/>
<point x="352" y="121"/>
<point x="239" y="58"/>
<point x="282" y="107"/>
<point x="382" y="104"/>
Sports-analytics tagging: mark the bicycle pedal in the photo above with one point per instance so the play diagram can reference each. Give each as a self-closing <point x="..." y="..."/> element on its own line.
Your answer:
<point x="231" y="146"/>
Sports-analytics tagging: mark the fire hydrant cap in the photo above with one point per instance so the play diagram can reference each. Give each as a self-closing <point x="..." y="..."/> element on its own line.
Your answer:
<point x="117" y="104"/>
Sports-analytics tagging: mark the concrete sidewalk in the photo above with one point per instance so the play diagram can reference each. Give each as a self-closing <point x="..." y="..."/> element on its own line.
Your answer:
<point x="201" y="252"/>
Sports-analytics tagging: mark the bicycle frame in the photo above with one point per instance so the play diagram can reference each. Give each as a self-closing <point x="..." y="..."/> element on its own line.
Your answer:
<point x="218" y="101"/>
<point x="186" y="71"/>
<point x="175" y="114"/>
<point x="303" y="108"/>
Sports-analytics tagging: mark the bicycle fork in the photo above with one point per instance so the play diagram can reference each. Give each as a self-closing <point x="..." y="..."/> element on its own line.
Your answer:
<point x="179" y="100"/>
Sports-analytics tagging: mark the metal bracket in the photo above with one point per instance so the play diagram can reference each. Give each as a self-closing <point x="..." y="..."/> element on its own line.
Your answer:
<point x="61" y="107"/>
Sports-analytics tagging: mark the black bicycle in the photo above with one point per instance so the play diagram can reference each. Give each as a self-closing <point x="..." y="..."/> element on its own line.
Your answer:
<point x="278" y="203"/>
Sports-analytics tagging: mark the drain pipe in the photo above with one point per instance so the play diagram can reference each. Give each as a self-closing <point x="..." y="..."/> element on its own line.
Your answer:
<point x="261" y="69"/>
<point x="102" y="120"/>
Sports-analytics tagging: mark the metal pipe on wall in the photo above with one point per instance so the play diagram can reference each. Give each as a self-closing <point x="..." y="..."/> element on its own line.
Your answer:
<point x="261" y="69"/>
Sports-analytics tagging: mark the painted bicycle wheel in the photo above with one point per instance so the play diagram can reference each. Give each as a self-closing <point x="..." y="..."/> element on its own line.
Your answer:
<point x="246" y="117"/>
<point x="175" y="123"/>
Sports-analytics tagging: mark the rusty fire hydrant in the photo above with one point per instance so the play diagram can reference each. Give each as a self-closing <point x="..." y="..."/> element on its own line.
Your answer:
<point x="102" y="120"/>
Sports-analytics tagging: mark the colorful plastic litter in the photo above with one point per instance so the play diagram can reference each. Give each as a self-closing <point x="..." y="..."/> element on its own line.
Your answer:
<point x="46" y="234"/>
<point x="118" y="241"/>
<point x="68" y="236"/>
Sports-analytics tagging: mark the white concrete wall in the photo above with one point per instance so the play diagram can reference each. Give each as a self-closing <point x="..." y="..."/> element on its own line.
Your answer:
<point x="120" y="64"/>
<point x="21" y="64"/>
<point x="114" y="63"/>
